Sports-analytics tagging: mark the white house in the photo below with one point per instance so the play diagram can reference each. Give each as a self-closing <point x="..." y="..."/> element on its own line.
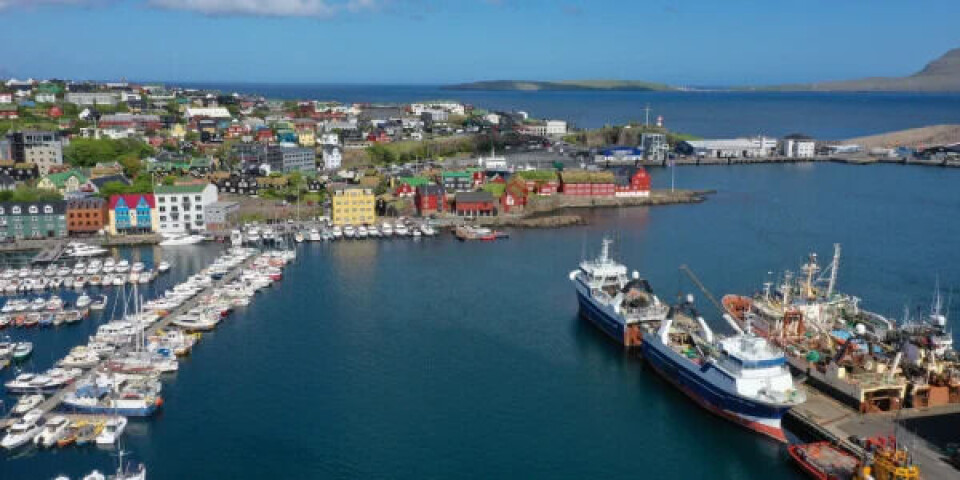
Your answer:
<point x="332" y="157"/>
<point x="45" y="98"/>
<point x="331" y="138"/>
<point x="556" y="127"/>
<point x="729" y="148"/>
<point x="209" y="112"/>
<point x="6" y="98"/>
<point x="180" y="207"/>
<point x="798" y="146"/>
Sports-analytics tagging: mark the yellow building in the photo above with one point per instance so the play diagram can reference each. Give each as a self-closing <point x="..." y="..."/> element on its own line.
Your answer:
<point x="178" y="132"/>
<point x="306" y="138"/>
<point x="353" y="205"/>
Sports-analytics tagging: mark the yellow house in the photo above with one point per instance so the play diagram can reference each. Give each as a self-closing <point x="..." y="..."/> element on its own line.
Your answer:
<point x="307" y="138"/>
<point x="64" y="182"/>
<point x="178" y="131"/>
<point x="353" y="205"/>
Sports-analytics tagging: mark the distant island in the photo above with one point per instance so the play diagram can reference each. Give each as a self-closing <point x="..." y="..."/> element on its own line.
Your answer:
<point x="940" y="75"/>
<point x="532" y="86"/>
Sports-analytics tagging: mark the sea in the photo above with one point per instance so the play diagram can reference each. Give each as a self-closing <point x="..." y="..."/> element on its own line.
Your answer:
<point x="707" y="114"/>
<point x="436" y="359"/>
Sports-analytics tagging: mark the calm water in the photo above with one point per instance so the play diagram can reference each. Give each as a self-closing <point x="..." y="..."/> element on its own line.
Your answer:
<point x="440" y="359"/>
<point x="827" y="116"/>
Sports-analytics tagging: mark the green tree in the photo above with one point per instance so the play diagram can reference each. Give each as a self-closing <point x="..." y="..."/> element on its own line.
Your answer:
<point x="132" y="165"/>
<point x="170" y="180"/>
<point x="113" y="188"/>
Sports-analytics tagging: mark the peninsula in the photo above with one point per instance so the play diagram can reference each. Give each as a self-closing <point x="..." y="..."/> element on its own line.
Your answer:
<point x="565" y="85"/>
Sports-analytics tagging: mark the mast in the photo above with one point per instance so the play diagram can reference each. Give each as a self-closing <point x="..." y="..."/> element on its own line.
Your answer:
<point x="834" y="267"/>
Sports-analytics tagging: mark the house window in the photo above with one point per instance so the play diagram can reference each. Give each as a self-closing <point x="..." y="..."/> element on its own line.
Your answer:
<point x="161" y="199"/>
<point x="197" y="198"/>
<point x="16" y="210"/>
<point x="47" y="209"/>
<point x="33" y="209"/>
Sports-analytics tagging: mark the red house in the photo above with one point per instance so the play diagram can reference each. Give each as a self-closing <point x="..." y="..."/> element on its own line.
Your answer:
<point x="55" y="112"/>
<point x="514" y="196"/>
<point x="478" y="179"/>
<point x="264" y="135"/>
<point x="548" y="188"/>
<point x="583" y="183"/>
<point x="639" y="185"/>
<point x="404" y="190"/>
<point x="236" y="130"/>
<point x="430" y="199"/>
<point x="475" y="204"/>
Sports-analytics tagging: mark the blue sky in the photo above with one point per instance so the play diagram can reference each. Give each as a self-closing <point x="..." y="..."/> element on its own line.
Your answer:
<point x="695" y="42"/>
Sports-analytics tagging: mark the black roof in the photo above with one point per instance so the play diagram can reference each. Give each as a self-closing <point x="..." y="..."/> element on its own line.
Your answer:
<point x="59" y="207"/>
<point x="88" y="202"/>
<point x="797" y="136"/>
<point x="430" y="190"/>
<point x="6" y="179"/>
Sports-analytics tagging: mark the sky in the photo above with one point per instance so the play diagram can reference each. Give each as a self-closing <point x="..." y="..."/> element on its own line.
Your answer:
<point x="681" y="42"/>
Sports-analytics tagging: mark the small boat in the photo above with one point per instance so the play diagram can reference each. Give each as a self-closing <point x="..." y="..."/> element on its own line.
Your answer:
<point x="55" y="429"/>
<point x="401" y="230"/>
<point x="122" y="266"/>
<point x="63" y="271"/>
<point x="386" y="229"/>
<point x="428" y="230"/>
<point x="22" y="350"/>
<point x="119" y="280"/>
<point x="79" y="281"/>
<point x="70" y="436"/>
<point x="314" y="235"/>
<point x="38" y="304"/>
<point x="31" y="320"/>
<point x="88" y="432"/>
<point x="68" y="282"/>
<point x="99" y="304"/>
<point x="178" y="240"/>
<point x="27" y="403"/>
<point x="137" y="267"/>
<point x="163" y="267"/>
<point x="97" y="279"/>
<point x="298" y="237"/>
<point x="23" y="431"/>
<point x="83" y="301"/>
<point x="112" y="430"/>
<point x="54" y="304"/>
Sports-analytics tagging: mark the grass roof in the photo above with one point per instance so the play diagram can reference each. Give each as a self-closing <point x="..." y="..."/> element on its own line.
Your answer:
<point x="583" y="176"/>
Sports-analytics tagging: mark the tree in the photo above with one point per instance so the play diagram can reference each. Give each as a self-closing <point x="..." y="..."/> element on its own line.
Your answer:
<point x="132" y="166"/>
<point x="113" y="188"/>
<point x="32" y="194"/>
<point x="169" y="180"/>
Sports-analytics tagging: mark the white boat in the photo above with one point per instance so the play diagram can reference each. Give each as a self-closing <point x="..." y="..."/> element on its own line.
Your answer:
<point x="428" y="230"/>
<point x="416" y="232"/>
<point x="122" y="266"/>
<point x="54" y="304"/>
<point x="387" y="229"/>
<point x="83" y="301"/>
<point x="109" y="264"/>
<point x="22" y="432"/>
<point x="179" y="240"/>
<point x="112" y="430"/>
<point x="236" y="238"/>
<point x="64" y="271"/>
<point x="349" y="231"/>
<point x="298" y="237"/>
<point x="361" y="232"/>
<point x="79" y="250"/>
<point x="54" y="430"/>
<point x="337" y="232"/>
<point x="38" y="304"/>
<point x="401" y="230"/>
<point x="163" y="267"/>
<point x="27" y="403"/>
<point x="137" y="267"/>
<point x="314" y="235"/>
<point x="124" y="472"/>
<point x="119" y="280"/>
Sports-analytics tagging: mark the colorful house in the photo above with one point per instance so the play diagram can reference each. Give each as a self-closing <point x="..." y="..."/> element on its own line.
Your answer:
<point x="639" y="185"/>
<point x="86" y="215"/>
<point x="132" y="213"/>
<point x="353" y="205"/>
<point x="430" y="199"/>
<point x="584" y="183"/>
<point x="19" y="220"/>
<point x="475" y="204"/>
<point x="66" y="182"/>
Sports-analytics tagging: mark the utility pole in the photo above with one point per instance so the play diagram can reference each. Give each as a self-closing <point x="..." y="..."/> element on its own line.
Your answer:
<point x="646" y="110"/>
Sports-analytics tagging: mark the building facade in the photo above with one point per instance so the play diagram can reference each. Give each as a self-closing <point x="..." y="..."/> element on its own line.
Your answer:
<point x="86" y="215"/>
<point x="44" y="149"/>
<point x="332" y="157"/>
<point x="286" y="159"/>
<point x="181" y="207"/>
<point x="353" y="205"/>
<point x="220" y="215"/>
<point x="132" y="213"/>
<point x="92" y="98"/>
<point x="26" y="220"/>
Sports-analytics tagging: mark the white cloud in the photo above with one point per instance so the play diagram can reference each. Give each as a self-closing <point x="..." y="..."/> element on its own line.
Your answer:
<point x="272" y="8"/>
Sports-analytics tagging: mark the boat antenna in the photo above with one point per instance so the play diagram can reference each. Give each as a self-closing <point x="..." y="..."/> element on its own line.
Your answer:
<point x="834" y="265"/>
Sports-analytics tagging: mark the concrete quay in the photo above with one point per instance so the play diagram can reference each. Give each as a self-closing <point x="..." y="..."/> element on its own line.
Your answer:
<point x="828" y="419"/>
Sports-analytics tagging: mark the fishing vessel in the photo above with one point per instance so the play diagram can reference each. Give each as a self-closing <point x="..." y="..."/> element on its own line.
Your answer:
<point x="884" y="459"/>
<point x="743" y="377"/>
<point x="622" y="307"/>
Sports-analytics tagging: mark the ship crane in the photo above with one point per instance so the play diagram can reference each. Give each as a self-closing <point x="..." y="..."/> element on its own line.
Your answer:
<point x="696" y="281"/>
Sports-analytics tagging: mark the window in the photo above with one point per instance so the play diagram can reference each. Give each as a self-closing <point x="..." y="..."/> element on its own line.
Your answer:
<point x="163" y="209"/>
<point x="161" y="199"/>
<point x="47" y="209"/>
<point x="197" y="198"/>
<point x="33" y="209"/>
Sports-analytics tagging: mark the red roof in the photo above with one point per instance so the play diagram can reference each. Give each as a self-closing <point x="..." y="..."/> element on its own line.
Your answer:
<point x="132" y="200"/>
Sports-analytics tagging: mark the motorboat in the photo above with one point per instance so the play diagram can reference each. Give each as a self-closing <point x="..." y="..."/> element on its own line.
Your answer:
<point x="27" y="403"/>
<point x="109" y="265"/>
<point x="99" y="304"/>
<point x="80" y="250"/>
<point x="53" y="304"/>
<point x="428" y="230"/>
<point x="314" y="235"/>
<point x="83" y="301"/>
<point x="163" y="267"/>
<point x="236" y="238"/>
<point x="122" y="266"/>
<point x="137" y="267"/>
<point x="361" y="232"/>
<point x="349" y="231"/>
<point x="119" y="280"/>
<point x="386" y="229"/>
<point x="54" y="430"/>
<point x="112" y="430"/>
<point x="84" y="358"/>
<point x="401" y="230"/>
<point x="63" y="271"/>
<point x="87" y="432"/>
<point x="179" y="240"/>
<point x="22" y="350"/>
<point x="22" y="432"/>
<point x="299" y="237"/>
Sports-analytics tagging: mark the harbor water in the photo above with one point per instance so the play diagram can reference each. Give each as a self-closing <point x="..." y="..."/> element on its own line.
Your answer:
<point x="435" y="358"/>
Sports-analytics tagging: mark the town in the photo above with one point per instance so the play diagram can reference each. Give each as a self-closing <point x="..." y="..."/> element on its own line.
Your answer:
<point x="121" y="159"/>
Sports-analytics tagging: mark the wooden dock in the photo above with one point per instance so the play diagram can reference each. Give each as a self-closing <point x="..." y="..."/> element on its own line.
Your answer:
<point x="51" y="403"/>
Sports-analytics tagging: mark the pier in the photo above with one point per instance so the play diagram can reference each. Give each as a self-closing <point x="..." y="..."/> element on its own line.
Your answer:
<point x="51" y="403"/>
<point x="828" y="419"/>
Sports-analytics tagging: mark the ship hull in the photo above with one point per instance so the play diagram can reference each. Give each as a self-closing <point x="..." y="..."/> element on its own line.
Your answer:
<point x="601" y="316"/>
<point x="686" y="376"/>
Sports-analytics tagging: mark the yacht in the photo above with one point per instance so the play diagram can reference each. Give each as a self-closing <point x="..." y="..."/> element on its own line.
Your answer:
<point x="83" y="301"/>
<point x="179" y="240"/>
<point x="27" y="403"/>
<point x="112" y="431"/>
<point x="80" y="250"/>
<point x="54" y="430"/>
<point x="22" y="432"/>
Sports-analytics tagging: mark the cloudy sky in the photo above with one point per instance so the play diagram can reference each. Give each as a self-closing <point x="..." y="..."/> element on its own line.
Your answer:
<point x="695" y="42"/>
